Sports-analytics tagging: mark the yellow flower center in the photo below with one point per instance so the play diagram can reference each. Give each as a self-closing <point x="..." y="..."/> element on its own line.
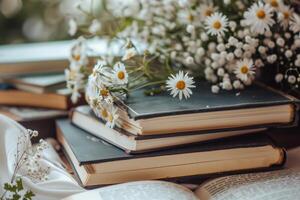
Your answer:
<point x="244" y="69"/>
<point x="180" y="85"/>
<point x="286" y="15"/>
<point x="191" y="17"/>
<point x="261" y="14"/>
<point x="110" y="118"/>
<point x="274" y="3"/>
<point x="76" y="57"/>
<point x="217" y="25"/>
<point x="208" y="12"/>
<point x="104" y="92"/>
<point x="121" y="75"/>
<point x="104" y="113"/>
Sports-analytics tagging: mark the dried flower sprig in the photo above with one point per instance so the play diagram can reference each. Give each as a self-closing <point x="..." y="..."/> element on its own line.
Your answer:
<point x="26" y="165"/>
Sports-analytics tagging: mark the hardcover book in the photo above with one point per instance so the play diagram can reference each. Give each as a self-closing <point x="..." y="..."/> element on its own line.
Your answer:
<point x="99" y="163"/>
<point x="83" y="117"/>
<point x="44" y="57"/>
<point x="41" y="83"/>
<point x="258" y="106"/>
<point x="58" y="100"/>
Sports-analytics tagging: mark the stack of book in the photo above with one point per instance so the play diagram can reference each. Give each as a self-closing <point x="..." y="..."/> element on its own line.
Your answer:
<point x="158" y="137"/>
<point x="32" y="84"/>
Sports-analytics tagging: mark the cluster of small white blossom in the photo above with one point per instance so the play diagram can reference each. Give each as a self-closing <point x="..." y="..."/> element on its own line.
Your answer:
<point x="279" y="42"/>
<point x="227" y="41"/>
<point x="281" y="50"/>
<point x="28" y="157"/>
<point x="77" y="71"/>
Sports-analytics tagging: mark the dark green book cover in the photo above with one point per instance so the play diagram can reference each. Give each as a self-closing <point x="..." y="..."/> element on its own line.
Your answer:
<point x="140" y="106"/>
<point x="89" y="149"/>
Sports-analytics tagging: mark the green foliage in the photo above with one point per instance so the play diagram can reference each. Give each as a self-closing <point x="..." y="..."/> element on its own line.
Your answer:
<point x="17" y="190"/>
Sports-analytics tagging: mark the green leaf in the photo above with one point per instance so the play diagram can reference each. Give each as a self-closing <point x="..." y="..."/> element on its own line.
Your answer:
<point x="10" y="188"/>
<point x="19" y="184"/>
<point x="28" y="196"/>
<point x="16" y="197"/>
<point x="7" y="186"/>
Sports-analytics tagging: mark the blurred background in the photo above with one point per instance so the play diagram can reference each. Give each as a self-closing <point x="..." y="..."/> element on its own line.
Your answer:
<point x="40" y="20"/>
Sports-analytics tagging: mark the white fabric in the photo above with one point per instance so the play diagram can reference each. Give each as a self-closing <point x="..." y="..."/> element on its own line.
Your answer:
<point x="59" y="184"/>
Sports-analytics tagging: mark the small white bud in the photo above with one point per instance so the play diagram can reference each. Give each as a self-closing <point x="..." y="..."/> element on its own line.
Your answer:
<point x="215" y="89"/>
<point x="292" y="79"/>
<point x="278" y="77"/>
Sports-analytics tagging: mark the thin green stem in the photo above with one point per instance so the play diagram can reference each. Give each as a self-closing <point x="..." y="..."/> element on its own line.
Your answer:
<point x="148" y="84"/>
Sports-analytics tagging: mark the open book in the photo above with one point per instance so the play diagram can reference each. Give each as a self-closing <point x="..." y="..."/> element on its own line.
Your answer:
<point x="280" y="184"/>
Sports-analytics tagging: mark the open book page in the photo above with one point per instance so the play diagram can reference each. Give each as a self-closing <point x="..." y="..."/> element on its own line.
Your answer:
<point x="280" y="184"/>
<point x="283" y="184"/>
<point x="140" y="190"/>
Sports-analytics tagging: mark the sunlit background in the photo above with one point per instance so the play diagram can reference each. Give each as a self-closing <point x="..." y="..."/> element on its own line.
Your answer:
<point x="40" y="20"/>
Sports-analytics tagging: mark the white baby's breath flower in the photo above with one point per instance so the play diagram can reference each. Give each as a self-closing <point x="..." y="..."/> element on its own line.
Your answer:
<point x="288" y="53"/>
<point x="227" y="2"/>
<point x="95" y="26"/>
<point x="226" y="85"/>
<point x="279" y="77"/>
<point x="232" y="25"/>
<point x="259" y="17"/>
<point x="129" y="53"/>
<point x="292" y="79"/>
<point x="120" y="73"/>
<point x="244" y="69"/>
<point x="216" y="24"/>
<point x="180" y="84"/>
<point x="204" y="37"/>
<point x="237" y="84"/>
<point x="72" y="27"/>
<point x="295" y="23"/>
<point x="190" y="29"/>
<point x="215" y="89"/>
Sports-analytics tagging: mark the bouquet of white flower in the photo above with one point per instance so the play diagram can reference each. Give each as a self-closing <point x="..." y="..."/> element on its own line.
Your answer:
<point x="226" y="42"/>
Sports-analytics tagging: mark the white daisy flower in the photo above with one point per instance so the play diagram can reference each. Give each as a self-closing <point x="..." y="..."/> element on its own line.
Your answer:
<point x="120" y="74"/>
<point x="274" y="3"/>
<point x="180" y="84"/>
<point x="187" y="16"/>
<point x="95" y="26"/>
<point x="295" y="23"/>
<point x="259" y="17"/>
<point x="78" y="52"/>
<point x="216" y="24"/>
<point x="244" y="69"/>
<point x="101" y="74"/>
<point x="112" y="116"/>
<point x="285" y="15"/>
<point x="129" y="53"/>
<point x="206" y="10"/>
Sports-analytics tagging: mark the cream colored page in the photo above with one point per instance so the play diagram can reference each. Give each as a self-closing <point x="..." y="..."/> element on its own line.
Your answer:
<point x="275" y="185"/>
<point x="140" y="190"/>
